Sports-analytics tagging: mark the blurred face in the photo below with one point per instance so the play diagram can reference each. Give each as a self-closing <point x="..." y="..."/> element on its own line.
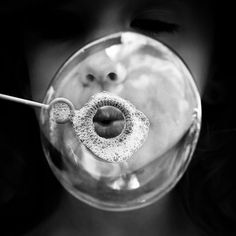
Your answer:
<point x="56" y="33"/>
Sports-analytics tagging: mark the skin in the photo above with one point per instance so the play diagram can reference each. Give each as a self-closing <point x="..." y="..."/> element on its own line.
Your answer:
<point x="192" y="41"/>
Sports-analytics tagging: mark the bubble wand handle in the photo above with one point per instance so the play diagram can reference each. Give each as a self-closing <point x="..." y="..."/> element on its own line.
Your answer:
<point x="23" y="101"/>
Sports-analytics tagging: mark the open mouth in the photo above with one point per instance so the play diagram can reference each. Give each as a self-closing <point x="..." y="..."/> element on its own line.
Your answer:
<point x="108" y="122"/>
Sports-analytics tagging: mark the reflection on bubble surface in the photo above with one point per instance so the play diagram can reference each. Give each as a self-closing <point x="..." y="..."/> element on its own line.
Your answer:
<point x="151" y="78"/>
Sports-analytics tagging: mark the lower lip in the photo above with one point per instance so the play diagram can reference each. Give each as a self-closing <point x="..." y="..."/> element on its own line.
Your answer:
<point x="110" y="130"/>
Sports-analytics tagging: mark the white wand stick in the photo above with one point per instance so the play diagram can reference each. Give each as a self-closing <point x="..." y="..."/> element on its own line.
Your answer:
<point x="23" y="101"/>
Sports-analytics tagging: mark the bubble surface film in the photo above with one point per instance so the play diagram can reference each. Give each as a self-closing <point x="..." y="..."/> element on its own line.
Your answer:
<point x="128" y="125"/>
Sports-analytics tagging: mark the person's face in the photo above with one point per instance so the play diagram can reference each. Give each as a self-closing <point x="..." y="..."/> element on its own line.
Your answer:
<point x="183" y="25"/>
<point x="56" y="34"/>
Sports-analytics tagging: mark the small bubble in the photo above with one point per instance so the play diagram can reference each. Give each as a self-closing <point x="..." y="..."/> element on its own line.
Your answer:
<point x="61" y="112"/>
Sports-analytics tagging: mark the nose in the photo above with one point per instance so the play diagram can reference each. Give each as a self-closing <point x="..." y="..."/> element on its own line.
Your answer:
<point x="99" y="69"/>
<point x="101" y="78"/>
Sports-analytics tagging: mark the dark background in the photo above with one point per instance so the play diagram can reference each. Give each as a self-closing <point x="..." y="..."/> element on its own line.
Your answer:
<point x="28" y="189"/>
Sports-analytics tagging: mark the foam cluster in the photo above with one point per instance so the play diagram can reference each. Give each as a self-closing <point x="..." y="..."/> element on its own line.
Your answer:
<point x="121" y="147"/>
<point x="61" y="110"/>
<point x="116" y="149"/>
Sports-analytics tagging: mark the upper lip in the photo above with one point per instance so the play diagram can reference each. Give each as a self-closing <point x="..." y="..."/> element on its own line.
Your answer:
<point x="108" y="113"/>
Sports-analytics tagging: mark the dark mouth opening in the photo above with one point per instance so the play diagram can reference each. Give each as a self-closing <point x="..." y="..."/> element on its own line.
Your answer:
<point x="108" y="122"/>
<point x="104" y="122"/>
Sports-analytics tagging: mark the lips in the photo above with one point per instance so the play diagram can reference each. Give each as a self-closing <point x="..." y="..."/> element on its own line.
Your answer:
<point x="108" y="122"/>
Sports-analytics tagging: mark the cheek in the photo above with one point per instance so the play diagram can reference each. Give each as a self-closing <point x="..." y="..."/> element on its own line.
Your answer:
<point x="197" y="58"/>
<point x="194" y="46"/>
<point x="43" y="62"/>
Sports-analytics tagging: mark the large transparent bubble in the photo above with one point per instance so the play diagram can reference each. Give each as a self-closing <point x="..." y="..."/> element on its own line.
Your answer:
<point x="123" y="121"/>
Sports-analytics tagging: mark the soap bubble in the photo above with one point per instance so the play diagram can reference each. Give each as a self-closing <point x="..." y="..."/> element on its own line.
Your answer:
<point x="123" y="121"/>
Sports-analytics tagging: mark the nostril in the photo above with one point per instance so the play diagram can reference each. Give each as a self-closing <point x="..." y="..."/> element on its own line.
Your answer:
<point x="112" y="76"/>
<point x="90" y="77"/>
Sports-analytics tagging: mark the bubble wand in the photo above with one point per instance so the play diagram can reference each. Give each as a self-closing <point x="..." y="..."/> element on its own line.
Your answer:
<point x="23" y="101"/>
